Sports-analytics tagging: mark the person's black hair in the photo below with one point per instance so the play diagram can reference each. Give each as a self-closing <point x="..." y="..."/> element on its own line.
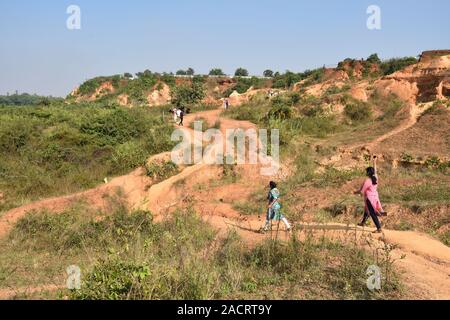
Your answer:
<point x="371" y="174"/>
<point x="272" y="184"/>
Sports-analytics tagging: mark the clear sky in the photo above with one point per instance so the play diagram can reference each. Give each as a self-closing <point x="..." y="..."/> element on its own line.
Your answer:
<point x="38" y="54"/>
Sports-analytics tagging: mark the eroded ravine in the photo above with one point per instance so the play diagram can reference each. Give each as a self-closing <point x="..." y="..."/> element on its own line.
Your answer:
<point x="425" y="261"/>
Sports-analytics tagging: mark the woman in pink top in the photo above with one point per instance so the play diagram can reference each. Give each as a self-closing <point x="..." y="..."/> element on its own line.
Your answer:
<point x="372" y="203"/>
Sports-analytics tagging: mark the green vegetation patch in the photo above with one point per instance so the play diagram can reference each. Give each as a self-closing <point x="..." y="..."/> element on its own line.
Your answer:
<point x="62" y="149"/>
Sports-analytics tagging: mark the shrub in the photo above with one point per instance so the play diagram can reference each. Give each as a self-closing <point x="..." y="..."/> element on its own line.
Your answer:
<point x="127" y="156"/>
<point x="161" y="171"/>
<point x="186" y="95"/>
<point x="358" y="111"/>
<point x="331" y="90"/>
<point x="280" y="111"/>
<point x="15" y="133"/>
<point x="392" y="65"/>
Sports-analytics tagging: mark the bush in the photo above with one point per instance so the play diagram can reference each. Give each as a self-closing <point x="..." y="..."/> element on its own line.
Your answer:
<point x="127" y="156"/>
<point x="331" y="90"/>
<point x="161" y="171"/>
<point x="396" y="64"/>
<point x="185" y="95"/>
<point x="15" y="133"/>
<point x="280" y="111"/>
<point x="358" y="111"/>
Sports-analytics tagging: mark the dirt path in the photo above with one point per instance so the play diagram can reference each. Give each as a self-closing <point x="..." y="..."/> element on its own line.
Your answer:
<point x="352" y="155"/>
<point x="425" y="261"/>
<point x="414" y="114"/>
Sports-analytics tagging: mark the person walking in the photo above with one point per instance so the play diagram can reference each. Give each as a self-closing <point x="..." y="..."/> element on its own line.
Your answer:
<point x="274" y="208"/>
<point x="372" y="203"/>
<point x="180" y="115"/>
<point x="175" y="116"/>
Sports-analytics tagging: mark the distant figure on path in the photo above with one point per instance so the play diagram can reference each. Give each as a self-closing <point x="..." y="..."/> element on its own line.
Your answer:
<point x="175" y="117"/>
<point x="226" y="104"/>
<point x="369" y="191"/>
<point x="180" y="115"/>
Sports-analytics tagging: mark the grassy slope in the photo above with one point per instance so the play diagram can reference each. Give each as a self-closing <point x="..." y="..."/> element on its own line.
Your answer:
<point x="61" y="149"/>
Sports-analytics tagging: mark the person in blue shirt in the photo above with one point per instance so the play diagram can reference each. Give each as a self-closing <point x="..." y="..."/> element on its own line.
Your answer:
<point x="274" y="208"/>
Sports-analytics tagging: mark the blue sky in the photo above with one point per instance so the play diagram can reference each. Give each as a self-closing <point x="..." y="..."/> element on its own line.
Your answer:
<point x="38" y="54"/>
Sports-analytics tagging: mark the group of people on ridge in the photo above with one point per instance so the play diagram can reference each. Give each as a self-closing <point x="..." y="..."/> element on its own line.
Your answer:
<point x="369" y="192"/>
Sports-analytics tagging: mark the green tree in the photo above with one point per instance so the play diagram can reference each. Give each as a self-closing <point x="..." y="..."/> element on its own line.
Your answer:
<point x="241" y="72"/>
<point x="190" y="72"/>
<point x="187" y="94"/>
<point x="128" y="75"/>
<point x="216" y="72"/>
<point x="373" y="58"/>
<point x="392" y="65"/>
<point x="268" y="73"/>
<point x="181" y="73"/>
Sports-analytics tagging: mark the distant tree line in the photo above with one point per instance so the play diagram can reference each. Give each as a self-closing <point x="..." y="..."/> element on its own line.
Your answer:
<point x="288" y="78"/>
<point x="25" y="99"/>
<point x="386" y="67"/>
<point x="136" y="85"/>
<point x="188" y="72"/>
